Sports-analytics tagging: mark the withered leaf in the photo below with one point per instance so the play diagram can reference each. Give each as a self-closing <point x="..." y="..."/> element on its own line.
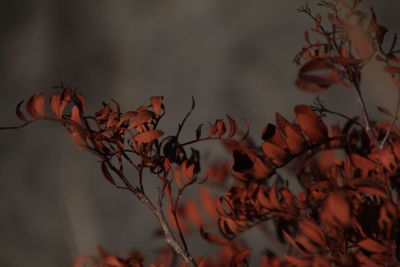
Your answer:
<point x="360" y="39"/>
<point x="18" y="112"/>
<point x="385" y="111"/>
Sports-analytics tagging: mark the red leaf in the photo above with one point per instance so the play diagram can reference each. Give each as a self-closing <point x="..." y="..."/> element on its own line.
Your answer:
<point x="298" y="262"/>
<point x="55" y="105"/>
<point x="192" y="213"/>
<point x="81" y="102"/>
<point x="188" y="171"/>
<point x="212" y="238"/>
<point x="30" y="106"/>
<point x="336" y="210"/>
<point x="240" y="257"/>
<point x="295" y="142"/>
<point x="148" y="137"/>
<point x="314" y="232"/>
<point x="292" y="241"/>
<point x="208" y="202"/>
<point x="372" y="191"/>
<point x="362" y="163"/>
<point x="314" y="83"/>
<point x="392" y="69"/>
<point x="65" y="99"/>
<point x="232" y="126"/>
<point x="75" y="115"/>
<point x="178" y="177"/>
<point x="311" y="124"/>
<point x="274" y="153"/>
<point x="372" y="246"/>
<point x="38" y="104"/>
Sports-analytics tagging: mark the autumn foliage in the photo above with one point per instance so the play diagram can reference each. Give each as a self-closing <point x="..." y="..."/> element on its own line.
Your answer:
<point x="345" y="210"/>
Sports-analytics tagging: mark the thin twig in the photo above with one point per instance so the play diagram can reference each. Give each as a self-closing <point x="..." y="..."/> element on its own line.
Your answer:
<point x="16" y="127"/>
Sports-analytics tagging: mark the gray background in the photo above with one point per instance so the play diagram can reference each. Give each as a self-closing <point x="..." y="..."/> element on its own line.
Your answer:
<point x="234" y="57"/>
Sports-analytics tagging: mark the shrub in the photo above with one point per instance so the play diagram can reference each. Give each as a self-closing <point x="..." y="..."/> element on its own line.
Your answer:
<point x="346" y="213"/>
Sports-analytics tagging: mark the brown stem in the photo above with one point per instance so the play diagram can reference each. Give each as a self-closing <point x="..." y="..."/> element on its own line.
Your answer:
<point x="156" y="210"/>
<point x="367" y="123"/>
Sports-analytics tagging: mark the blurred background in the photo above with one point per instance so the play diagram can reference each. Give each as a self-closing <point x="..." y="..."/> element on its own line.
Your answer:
<point x="234" y="57"/>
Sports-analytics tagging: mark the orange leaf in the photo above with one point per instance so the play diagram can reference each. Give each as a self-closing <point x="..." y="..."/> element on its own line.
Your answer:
<point x="147" y="137"/>
<point x="127" y="116"/>
<point x="141" y="118"/>
<point x="157" y="104"/>
<point x="55" y="102"/>
<point x="38" y="104"/>
<point x="178" y="177"/>
<point x="75" y="115"/>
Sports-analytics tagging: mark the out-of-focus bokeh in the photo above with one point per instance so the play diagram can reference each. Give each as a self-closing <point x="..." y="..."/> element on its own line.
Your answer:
<point x="234" y="57"/>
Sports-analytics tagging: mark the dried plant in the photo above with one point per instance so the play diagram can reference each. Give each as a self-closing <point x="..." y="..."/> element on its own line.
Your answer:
<point x="346" y="213"/>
